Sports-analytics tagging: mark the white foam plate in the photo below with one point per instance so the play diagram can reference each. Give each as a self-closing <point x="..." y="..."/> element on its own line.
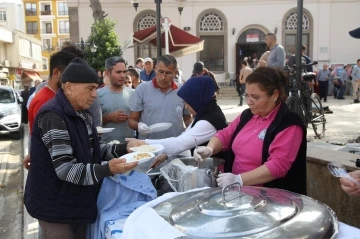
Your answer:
<point x="153" y="148"/>
<point x="104" y="130"/>
<point x="159" y="127"/>
<point x="131" y="157"/>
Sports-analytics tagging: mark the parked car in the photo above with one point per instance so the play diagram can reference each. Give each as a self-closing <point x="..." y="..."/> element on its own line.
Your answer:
<point x="10" y="112"/>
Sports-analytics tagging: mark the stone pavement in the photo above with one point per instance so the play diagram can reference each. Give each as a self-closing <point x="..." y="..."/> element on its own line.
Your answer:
<point x="10" y="188"/>
<point x="31" y="225"/>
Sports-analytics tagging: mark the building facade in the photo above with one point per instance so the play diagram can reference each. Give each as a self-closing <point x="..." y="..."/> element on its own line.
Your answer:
<point x="19" y="52"/>
<point x="49" y="22"/>
<point x="234" y="29"/>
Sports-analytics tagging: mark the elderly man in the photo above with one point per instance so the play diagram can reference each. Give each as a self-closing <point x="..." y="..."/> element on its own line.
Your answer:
<point x="148" y="73"/>
<point x="115" y="100"/>
<point x="157" y="101"/>
<point x="66" y="170"/>
<point x="276" y="58"/>
<point x="323" y="77"/>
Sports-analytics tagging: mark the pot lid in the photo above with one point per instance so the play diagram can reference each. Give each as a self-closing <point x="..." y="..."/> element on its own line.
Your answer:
<point x="233" y="213"/>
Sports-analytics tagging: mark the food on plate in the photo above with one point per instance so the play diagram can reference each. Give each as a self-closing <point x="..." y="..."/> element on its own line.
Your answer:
<point x="114" y="142"/>
<point x="141" y="156"/>
<point x="145" y="148"/>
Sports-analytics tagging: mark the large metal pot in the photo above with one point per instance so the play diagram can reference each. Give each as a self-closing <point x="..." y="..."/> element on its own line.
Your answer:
<point x="248" y="212"/>
<point x="204" y="176"/>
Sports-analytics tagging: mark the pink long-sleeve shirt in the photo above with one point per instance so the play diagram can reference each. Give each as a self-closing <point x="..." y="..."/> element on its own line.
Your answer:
<point x="248" y="144"/>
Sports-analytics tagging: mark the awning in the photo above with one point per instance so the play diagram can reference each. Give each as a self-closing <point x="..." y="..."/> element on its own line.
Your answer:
<point x="180" y="42"/>
<point x="33" y="75"/>
<point x="355" y="33"/>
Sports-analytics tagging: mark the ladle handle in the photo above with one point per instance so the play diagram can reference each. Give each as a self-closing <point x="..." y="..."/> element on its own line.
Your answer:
<point x="226" y="187"/>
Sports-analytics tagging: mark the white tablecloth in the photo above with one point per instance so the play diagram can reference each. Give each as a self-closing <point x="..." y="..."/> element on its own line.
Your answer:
<point x="145" y="223"/>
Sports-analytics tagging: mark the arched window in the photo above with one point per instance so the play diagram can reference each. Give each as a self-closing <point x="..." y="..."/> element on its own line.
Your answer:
<point x="291" y="22"/>
<point x="211" y="22"/>
<point x="145" y="20"/>
<point x="289" y="32"/>
<point x="211" y="27"/>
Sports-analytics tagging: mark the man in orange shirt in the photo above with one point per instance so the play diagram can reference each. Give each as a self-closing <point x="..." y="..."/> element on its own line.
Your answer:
<point x="58" y="62"/>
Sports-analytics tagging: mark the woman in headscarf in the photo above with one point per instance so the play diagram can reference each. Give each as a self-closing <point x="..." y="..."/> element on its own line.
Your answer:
<point x="198" y="93"/>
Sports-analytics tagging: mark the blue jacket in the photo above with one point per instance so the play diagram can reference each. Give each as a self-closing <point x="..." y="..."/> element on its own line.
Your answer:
<point x="145" y="77"/>
<point x="47" y="197"/>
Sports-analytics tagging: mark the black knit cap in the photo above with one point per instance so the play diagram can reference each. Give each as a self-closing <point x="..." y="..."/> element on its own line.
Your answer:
<point x="78" y="71"/>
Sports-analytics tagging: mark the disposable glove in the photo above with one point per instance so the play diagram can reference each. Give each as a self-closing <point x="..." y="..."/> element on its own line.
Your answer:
<point x="225" y="179"/>
<point x="143" y="129"/>
<point x="202" y="152"/>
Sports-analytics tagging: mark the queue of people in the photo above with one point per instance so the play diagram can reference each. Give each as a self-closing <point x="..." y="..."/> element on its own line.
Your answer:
<point x="68" y="160"/>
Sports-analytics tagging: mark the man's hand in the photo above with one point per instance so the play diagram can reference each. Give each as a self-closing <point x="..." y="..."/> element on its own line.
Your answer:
<point x="143" y="129"/>
<point x="202" y="152"/>
<point x="26" y="162"/>
<point x="118" y="116"/>
<point x="134" y="143"/>
<point x="159" y="159"/>
<point x="119" y="165"/>
<point x="262" y="63"/>
<point x="350" y="187"/>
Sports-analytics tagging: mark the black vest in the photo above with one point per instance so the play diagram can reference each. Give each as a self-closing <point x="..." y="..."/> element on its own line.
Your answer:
<point x="214" y="115"/>
<point x="295" y="179"/>
<point x="47" y="197"/>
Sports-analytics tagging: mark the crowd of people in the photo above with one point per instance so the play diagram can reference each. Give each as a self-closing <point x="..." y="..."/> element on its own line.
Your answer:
<point x="264" y="146"/>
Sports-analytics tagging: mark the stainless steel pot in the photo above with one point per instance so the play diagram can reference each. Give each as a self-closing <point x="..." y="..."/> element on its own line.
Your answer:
<point x="208" y="168"/>
<point x="204" y="176"/>
<point x="248" y="212"/>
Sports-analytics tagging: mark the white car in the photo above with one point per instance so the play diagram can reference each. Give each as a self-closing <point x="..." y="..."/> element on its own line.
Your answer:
<point x="10" y="112"/>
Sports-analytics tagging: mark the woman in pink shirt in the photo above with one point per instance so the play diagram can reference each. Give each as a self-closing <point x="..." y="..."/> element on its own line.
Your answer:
<point x="267" y="141"/>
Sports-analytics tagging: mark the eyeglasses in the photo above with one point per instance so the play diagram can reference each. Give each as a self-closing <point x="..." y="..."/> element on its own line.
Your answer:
<point x="165" y="73"/>
<point x="253" y="99"/>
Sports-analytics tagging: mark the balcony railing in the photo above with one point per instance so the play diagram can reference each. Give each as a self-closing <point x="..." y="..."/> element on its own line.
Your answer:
<point x="63" y="13"/>
<point x="32" y="31"/>
<point x="64" y="30"/>
<point x="46" y="12"/>
<point x="45" y="31"/>
<point x="30" y="12"/>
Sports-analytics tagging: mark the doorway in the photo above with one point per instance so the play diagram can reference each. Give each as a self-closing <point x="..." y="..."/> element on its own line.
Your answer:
<point x="251" y="43"/>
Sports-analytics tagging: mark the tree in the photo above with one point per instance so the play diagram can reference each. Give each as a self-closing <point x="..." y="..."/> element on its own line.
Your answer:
<point x="103" y="35"/>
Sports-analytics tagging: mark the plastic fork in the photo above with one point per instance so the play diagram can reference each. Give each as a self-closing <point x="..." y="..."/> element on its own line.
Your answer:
<point x="338" y="170"/>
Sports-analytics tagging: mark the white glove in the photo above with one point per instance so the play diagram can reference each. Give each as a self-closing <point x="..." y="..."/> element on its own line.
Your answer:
<point x="143" y="129"/>
<point x="202" y="152"/>
<point x="225" y="179"/>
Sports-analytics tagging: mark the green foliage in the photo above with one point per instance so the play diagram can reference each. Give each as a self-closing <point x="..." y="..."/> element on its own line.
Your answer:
<point x="105" y="38"/>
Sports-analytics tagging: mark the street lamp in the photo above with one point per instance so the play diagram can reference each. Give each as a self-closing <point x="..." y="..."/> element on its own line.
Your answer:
<point x="93" y="47"/>
<point x="180" y="5"/>
<point x="82" y="44"/>
<point x="135" y="4"/>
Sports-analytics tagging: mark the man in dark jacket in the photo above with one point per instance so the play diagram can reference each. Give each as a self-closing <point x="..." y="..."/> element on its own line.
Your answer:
<point x="200" y="70"/>
<point x="66" y="166"/>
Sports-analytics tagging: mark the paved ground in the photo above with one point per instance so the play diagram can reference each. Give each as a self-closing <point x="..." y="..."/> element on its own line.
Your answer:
<point x="11" y="190"/>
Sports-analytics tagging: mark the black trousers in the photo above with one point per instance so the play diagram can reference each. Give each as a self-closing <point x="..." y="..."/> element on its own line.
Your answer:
<point x="238" y="86"/>
<point x="323" y="89"/>
<point x="242" y="92"/>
